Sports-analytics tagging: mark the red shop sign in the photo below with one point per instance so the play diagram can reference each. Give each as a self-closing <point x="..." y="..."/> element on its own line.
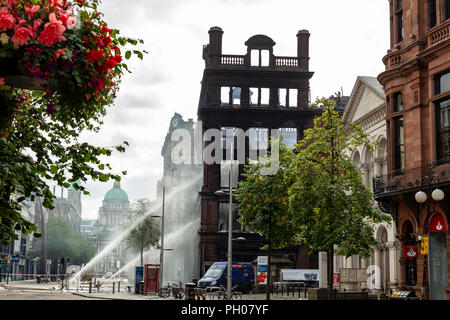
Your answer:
<point x="437" y="224"/>
<point x="336" y="277"/>
<point x="411" y="251"/>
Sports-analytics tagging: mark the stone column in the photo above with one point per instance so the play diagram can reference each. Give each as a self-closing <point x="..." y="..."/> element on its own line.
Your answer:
<point x="377" y="269"/>
<point x="366" y="171"/>
<point x="377" y="168"/>
<point x="394" y="263"/>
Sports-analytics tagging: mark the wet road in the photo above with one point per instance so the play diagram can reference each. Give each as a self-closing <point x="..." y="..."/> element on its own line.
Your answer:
<point x="38" y="295"/>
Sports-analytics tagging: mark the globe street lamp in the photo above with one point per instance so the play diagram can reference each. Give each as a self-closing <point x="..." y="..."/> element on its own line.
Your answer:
<point x="422" y="197"/>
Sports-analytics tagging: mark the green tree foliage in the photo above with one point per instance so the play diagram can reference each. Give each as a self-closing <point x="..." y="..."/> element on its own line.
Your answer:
<point x="263" y="201"/>
<point x="63" y="241"/>
<point x="38" y="148"/>
<point x="317" y="197"/>
<point x="146" y="234"/>
<point x="327" y="195"/>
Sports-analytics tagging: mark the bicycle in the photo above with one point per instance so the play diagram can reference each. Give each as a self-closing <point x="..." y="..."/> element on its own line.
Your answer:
<point x="222" y="294"/>
<point x="167" y="290"/>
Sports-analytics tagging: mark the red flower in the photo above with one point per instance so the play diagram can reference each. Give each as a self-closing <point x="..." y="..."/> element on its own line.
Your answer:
<point x="98" y="84"/>
<point x="118" y="58"/>
<point x="104" y="41"/>
<point x="94" y="55"/>
<point x="106" y="30"/>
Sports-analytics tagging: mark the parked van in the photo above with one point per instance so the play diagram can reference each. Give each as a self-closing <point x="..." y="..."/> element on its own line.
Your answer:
<point x="243" y="276"/>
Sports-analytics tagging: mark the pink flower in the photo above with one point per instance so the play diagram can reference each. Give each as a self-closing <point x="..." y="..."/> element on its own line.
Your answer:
<point x="53" y="31"/>
<point x="21" y="35"/>
<point x="71" y="22"/>
<point x="58" y="53"/>
<point x="2" y="81"/>
<point x="6" y="20"/>
<point x="36" y="24"/>
<point x="31" y="11"/>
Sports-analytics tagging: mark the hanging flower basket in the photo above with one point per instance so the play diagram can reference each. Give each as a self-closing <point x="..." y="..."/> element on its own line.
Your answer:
<point x="13" y="77"/>
<point x="65" y="50"/>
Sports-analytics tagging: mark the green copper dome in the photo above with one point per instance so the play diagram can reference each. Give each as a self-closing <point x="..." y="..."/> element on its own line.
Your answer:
<point x="116" y="194"/>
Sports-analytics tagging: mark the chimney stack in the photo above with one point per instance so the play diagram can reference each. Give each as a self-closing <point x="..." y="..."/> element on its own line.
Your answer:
<point x="303" y="49"/>
<point x="215" y="45"/>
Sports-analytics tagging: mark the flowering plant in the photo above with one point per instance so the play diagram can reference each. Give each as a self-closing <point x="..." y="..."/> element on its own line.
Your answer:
<point x="60" y="66"/>
<point x="68" y="49"/>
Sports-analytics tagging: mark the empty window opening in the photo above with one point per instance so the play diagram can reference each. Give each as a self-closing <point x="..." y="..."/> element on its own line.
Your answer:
<point x="254" y="58"/>
<point x="225" y="168"/>
<point x="293" y="93"/>
<point x="265" y="58"/>
<point x="230" y="95"/>
<point x="236" y="96"/>
<point x="259" y="96"/>
<point x="225" y="95"/>
<point x="223" y="218"/>
<point x="282" y="93"/>
<point x="259" y="58"/>
<point x="288" y="97"/>
<point x="258" y="142"/>
<point x="289" y="137"/>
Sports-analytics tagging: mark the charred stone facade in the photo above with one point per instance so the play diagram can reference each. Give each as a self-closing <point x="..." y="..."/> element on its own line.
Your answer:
<point x="254" y="91"/>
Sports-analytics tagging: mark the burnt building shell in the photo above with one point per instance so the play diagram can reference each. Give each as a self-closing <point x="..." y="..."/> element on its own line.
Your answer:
<point x="284" y="81"/>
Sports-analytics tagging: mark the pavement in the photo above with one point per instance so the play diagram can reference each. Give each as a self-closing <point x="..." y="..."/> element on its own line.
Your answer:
<point x="106" y="292"/>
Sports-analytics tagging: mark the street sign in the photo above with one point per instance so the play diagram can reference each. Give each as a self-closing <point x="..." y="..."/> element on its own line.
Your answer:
<point x="437" y="223"/>
<point x="424" y="245"/>
<point x="261" y="269"/>
<point x="410" y="251"/>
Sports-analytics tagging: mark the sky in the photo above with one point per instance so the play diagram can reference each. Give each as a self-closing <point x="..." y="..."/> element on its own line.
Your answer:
<point x="348" y="39"/>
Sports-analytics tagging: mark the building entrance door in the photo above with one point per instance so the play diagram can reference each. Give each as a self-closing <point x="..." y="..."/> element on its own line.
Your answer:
<point x="438" y="265"/>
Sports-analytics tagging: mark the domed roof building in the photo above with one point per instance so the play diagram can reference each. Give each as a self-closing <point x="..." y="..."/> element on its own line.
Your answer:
<point x="111" y="216"/>
<point x="116" y="194"/>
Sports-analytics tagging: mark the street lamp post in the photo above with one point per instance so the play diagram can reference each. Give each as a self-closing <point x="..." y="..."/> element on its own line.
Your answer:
<point x="421" y="197"/>
<point x="230" y="222"/>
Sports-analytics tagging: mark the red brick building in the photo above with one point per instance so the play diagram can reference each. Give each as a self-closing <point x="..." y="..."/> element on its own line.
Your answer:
<point x="417" y="86"/>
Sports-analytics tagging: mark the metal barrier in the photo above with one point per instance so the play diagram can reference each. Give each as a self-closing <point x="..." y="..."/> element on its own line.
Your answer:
<point x="289" y="288"/>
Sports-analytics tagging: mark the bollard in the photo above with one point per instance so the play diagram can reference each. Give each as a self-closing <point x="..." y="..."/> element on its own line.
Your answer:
<point x="118" y="286"/>
<point x="114" y="285"/>
<point x="190" y="291"/>
<point x="90" y="286"/>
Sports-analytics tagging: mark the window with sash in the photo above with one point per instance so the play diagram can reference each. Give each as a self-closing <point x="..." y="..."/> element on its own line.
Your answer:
<point x="442" y="107"/>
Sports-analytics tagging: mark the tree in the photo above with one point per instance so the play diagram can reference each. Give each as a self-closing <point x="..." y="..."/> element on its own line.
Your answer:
<point x="263" y="201"/>
<point x="327" y="197"/>
<point x="146" y="234"/>
<point x="317" y="197"/>
<point x="63" y="241"/>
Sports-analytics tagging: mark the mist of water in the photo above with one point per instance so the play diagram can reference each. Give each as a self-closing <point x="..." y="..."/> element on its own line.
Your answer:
<point x="172" y="239"/>
<point x="157" y="206"/>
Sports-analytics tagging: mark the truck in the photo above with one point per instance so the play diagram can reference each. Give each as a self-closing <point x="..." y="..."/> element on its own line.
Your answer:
<point x="309" y="276"/>
<point x="243" y="276"/>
